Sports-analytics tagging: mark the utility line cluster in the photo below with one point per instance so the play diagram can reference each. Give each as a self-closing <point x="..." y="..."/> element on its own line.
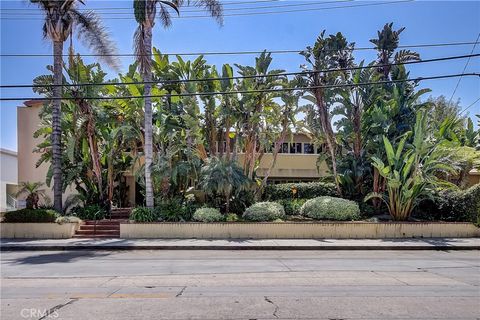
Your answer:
<point x="346" y="85"/>
<point x="212" y="53"/>
<point x="246" y="14"/>
<point x="283" y="74"/>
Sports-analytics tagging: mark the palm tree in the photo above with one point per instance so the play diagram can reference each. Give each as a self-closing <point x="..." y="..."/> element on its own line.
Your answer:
<point x="61" y="18"/>
<point x="223" y="177"/>
<point x="145" y="13"/>
<point x="33" y="191"/>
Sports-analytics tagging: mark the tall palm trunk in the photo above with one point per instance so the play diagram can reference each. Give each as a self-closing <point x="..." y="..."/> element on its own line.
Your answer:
<point x="56" y="125"/>
<point x="147" y="77"/>
<point x="329" y="135"/>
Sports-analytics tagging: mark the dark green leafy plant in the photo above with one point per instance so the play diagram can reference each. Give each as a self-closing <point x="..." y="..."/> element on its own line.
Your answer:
<point x="143" y="214"/>
<point x="306" y="190"/>
<point x="90" y="212"/>
<point x="292" y="207"/>
<point x="30" y="215"/>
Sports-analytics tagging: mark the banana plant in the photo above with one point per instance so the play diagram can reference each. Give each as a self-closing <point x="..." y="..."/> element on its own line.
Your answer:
<point x="412" y="171"/>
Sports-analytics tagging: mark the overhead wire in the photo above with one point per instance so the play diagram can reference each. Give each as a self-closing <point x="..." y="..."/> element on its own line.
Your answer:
<point x="246" y="91"/>
<point x="283" y="74"/>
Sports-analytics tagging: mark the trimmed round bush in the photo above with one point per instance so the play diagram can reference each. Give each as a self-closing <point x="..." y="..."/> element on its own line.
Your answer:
<point x="208" y="215"/>
<point x="264" y="211"/>
<point x="68" y="219"/>
<point x="30" y="215"/>
<point x="330" y="208"/>
<point x="143" y="214"/>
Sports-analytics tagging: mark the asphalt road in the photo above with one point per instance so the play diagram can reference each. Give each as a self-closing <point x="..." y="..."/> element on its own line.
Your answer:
<point x="240" y="285"/>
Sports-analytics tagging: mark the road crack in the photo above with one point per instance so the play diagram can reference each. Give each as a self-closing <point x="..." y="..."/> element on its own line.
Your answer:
<point x="181" y="292"/>
<point x="51" y="311"/>
<point x="277" y="308"/>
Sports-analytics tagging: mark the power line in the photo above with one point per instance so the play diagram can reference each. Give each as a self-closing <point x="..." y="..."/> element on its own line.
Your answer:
<point x="250" y="91"/>
<point x="224" y="3"/>
<point x="214" y="53"/>
<point x="283" y="74"/>
<point x="464" y="69"/>
<point x="471" y="105"/>
<point x="201" y="10"/>
<point x="253" y="13"/>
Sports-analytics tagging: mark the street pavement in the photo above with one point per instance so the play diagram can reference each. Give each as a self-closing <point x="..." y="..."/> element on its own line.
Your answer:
<point x="209" y="284"/>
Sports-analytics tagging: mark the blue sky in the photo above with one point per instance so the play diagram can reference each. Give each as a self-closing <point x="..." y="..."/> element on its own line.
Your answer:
<point x="425" y="22"/>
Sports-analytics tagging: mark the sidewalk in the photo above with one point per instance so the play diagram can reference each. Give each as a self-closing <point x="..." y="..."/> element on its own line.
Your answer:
<point x="276" y="244"/>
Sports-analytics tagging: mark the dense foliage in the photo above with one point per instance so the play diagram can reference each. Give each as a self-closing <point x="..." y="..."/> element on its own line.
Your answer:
<point x="264" y="211"/>
<point x="30" y="215"/>
<point x="306" y="190"/>
<point x="381" y="141"/>
<point x="90" y="212"/>
<point x="292" y="207"/>
<point x="143" y="214"/>
<point x="331" y="208"/>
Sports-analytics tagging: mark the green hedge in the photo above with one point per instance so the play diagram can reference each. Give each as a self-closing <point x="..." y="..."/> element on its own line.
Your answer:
<point x="304" y="190"/>
<point x="461" y="205"/>
<point x="330" y="208"/>
<point x="292" y="207"/>
<point x="264" y="211"/>
<point x="30" y="215"/>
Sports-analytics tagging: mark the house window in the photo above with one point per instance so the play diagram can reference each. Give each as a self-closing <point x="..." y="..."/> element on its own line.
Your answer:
<point x="308" y="148"/>
<point x="295" y="147"/>
<point x="284" y="148"/>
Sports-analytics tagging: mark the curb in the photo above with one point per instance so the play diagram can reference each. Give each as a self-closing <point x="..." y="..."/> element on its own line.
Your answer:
<point x="267" y="247"/>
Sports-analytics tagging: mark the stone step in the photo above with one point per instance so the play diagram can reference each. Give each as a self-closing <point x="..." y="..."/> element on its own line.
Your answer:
<point x="98" y="232"/>
<point x="100" y="227"/>
<point x="97" y="236"/>
<point x="103" y="222"/>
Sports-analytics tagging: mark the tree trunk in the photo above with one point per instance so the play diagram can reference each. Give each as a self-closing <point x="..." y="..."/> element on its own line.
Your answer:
<point x="329" y="135"/>
<point x="147" y="77"/>
<point x="56" y="125"/>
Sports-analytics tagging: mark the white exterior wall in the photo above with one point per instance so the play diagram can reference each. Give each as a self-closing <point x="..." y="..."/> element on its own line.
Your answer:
<point x="8" y="174"/>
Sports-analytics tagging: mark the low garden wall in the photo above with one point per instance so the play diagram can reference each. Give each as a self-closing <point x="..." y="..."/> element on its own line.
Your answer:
<point x="38" y="230"/>
<point x="299" y="230"/>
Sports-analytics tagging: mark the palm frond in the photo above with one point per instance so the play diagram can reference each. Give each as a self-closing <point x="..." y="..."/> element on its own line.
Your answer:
<point x="94" y="35"/>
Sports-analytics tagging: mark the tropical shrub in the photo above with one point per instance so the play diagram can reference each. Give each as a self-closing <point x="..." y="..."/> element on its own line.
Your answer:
<point x="30" y="215"/>
<point x="304" y="190"/>
<point x="33" y="192"/>
<point x="264" y="211"/>
<point x="90" y="212"/>
<point x="208" y="215"/>
<point x="330" y="208"/>
<point x="292" y="207"/>
<point x="143" y="214"/>
<point x="221" y="177"/>
<point x="411" y="173"/>
<point x="241" y="201"/>
<point x="174" y="210"/>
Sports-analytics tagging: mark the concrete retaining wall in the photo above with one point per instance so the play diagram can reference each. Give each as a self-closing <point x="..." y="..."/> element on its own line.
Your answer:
<point x="288" y="230"/>
<point x="38" y="230"/>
